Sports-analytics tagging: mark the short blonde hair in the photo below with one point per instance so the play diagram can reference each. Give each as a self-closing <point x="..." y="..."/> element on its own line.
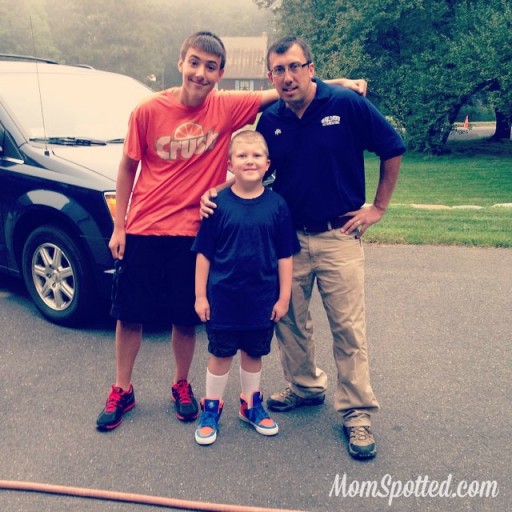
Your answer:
<point x="248" y="136"/>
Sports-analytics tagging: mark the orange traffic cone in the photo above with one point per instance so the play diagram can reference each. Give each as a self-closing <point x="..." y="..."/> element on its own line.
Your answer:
<point x="466" y="123"/>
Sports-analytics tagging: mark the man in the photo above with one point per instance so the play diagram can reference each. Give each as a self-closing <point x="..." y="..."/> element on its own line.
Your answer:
<point x="317" y="134"/>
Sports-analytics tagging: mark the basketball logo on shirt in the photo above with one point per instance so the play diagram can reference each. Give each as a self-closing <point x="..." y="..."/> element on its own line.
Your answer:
<point x="189" y="139"/>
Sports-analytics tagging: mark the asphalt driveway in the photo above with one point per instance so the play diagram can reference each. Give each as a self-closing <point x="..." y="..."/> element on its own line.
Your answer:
<point x="439" y="329"/>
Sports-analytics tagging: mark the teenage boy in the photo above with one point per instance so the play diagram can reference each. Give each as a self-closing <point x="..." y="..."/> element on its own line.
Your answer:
<point x="243" y="283"/>
<point x="180" y="137"/>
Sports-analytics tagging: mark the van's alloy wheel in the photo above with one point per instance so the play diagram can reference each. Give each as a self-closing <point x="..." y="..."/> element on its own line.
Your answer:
<point x="55" y="276"/>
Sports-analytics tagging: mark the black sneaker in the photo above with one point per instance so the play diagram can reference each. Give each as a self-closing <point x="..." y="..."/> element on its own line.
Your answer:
<point x="361" y="443"/>
<point x="287" y="400"/>
<point x="118" y="402"/>
<point x="184" y="401"/>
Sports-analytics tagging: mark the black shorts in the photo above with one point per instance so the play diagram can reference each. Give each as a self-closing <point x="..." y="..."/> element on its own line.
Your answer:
<point x="154" y="282"/>
<point x="224" y="343"/>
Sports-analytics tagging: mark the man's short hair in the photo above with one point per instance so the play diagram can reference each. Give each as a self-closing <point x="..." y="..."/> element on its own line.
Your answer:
<point x="206" y="42"/>
<point x="249" y="136"/>
<point x="285" y="43"/>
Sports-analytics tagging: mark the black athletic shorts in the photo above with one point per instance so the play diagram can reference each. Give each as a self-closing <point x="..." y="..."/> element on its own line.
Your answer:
<point x="154" y="282"/>
<point x="226" y="343"/>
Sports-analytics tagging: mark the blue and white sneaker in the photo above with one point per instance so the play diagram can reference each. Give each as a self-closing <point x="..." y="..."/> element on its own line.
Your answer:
<point x="257" y="416"/>
<point x="206" y="431"/>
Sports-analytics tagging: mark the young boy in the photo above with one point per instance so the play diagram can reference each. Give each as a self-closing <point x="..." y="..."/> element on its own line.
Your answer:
<point x="180" y="137"/>
<point x="243" y="283"/>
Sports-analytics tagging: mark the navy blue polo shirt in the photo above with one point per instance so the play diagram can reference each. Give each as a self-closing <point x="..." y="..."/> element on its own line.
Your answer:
<point x="319" y="158"/>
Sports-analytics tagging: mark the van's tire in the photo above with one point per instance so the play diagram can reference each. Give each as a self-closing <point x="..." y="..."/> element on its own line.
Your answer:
<point x="56" y="276"/>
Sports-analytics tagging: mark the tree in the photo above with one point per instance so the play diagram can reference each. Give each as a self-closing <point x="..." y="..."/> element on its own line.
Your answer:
<point x="24" y="29"/>
<point x="485" y="30"/>
<point x="105" y="35"/>
<point x="423" y="58"/>
<point x="141" y="38"/>
<point x="501" y="51"/>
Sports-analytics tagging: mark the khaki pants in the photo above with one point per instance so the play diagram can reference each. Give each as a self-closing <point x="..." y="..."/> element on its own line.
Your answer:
<point x="336" y="262"/>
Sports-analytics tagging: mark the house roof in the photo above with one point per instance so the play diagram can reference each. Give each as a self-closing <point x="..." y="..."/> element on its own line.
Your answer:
<point x="246" y="57"/>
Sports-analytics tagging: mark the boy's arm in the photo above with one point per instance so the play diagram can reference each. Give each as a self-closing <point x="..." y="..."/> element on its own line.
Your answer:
<point x="125" y="178"/>
<point x="359" y="85"/>
<point x="202" y="306"/>
<point x="268" y="97"/>
<point x="285" y="269"/>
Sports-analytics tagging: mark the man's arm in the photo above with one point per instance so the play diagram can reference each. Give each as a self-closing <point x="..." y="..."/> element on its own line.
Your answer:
<point x="389" y="171"/>
<point x="285" y="269"/>
<point x="206" y="205"/>
<point x="369" y="215"/>
<point x="125" y="178"/>
<point x="202" y="305"/>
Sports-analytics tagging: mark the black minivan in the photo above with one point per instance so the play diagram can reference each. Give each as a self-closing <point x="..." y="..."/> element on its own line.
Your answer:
<point x="61" y="136"/>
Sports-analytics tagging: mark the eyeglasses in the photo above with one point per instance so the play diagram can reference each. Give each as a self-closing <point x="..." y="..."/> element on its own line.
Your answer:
<point x="293" y="68"/>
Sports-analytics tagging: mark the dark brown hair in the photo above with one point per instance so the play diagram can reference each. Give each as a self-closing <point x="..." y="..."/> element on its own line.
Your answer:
<point x="285" y="43"/>
<point x="206" y="42"/>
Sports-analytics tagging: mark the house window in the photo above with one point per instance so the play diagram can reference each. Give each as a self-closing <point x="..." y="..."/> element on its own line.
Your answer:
<point x="244" y="85"/>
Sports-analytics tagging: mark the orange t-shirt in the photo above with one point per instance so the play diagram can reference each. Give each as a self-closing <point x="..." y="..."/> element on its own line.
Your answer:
<point x="183" y="152"/>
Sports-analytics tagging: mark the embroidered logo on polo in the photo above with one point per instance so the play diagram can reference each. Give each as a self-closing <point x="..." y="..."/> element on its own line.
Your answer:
<point x="330" y="120"/>
<point x="189" y="139"/>
<point x="278" y="131"/>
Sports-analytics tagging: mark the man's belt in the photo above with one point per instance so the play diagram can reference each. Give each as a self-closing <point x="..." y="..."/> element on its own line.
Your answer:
<point x="320" y="227"/>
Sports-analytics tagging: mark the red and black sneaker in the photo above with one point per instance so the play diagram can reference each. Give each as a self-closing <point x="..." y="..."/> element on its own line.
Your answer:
<point x="184" y="401"/>
<point x="118" y="402"/>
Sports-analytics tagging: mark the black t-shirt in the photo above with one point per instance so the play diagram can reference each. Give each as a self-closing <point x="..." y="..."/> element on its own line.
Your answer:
<point x="243" y="241"/>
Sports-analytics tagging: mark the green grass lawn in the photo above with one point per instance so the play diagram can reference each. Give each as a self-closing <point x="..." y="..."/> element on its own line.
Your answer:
<point x="475" y="174"/>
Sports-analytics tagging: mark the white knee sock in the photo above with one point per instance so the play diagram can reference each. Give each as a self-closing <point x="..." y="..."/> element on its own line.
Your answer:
<point x="250" y="382"/>
<point x="215" y="385"/>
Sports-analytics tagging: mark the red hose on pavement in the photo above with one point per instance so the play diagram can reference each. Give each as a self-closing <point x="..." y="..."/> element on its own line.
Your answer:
<point x="143" y="499"/>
